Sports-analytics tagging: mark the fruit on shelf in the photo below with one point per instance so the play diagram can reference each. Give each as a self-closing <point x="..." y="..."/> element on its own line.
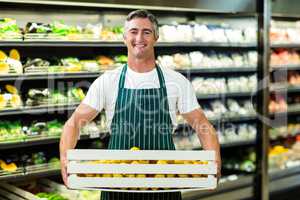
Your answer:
<point x="90" y="65"/>
<point x="9" y="29"/>
<point x="104" y="60"/>
<point x="11" y="89"/>
<point x="50" y="196"/>
<point x="281" y="57"/>
<point x="76" y="94"/>
<point x="277" y="105"/>
<point x="11" y="167"/>
<point x="198" y="60"/>
<point x="121" y="59"/>
<point x="4" y="68"/>
<point x="3" y="56"/>
<point x="10" y="64"/>
<point x="71" y="64"/>
<point x="223" y="85"/>
<point x="14" y="54"/>
<point x="135" y="148"/>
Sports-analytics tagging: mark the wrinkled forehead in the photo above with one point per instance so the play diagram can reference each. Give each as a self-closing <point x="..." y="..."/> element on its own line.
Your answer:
<point x="139" y="24"/>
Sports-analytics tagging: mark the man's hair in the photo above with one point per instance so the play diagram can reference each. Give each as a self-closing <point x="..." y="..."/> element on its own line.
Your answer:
<point x="143" y="14"/>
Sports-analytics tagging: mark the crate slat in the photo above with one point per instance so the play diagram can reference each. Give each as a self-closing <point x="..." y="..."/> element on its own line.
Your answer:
<point x="95" y="182"/>
<point x="96" y="154"/>
<point x="81" y="168"/>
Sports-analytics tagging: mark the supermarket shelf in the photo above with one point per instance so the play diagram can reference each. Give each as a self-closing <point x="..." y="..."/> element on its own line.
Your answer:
<point x="38" y="109"/>
<point x="238" y="143"/>
<point x="119" y="44"/>
<point x="285" y="67"/>
<point x="217" y="70"/>
<point x="284" y="88"/>
<point x="41" y="141"/>
<point x="236" y="118"/>
<point x="232" y="144"/>
<point x="238" y="189"/>
<point x="22" y="176"/>
<point x="292" y="110"/>
<point x="283" y="180"/>
<point x="286" y="46"/>
<point x="225" y="95"/>
<point x="44" y="76"/>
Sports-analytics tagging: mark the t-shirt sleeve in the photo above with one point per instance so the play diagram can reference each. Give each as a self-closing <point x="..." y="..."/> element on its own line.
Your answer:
<point x="95" y="96"/>
<point x="187" y="100"/>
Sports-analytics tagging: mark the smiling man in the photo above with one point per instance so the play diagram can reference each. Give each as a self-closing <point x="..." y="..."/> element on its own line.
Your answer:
<point x="141" y="100"/>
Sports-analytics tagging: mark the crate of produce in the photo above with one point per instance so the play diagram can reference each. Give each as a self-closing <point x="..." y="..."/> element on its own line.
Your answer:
<point x="142" y="170"/>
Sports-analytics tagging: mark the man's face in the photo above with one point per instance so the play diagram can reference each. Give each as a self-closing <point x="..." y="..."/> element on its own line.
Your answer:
<point x="139" y="37"/>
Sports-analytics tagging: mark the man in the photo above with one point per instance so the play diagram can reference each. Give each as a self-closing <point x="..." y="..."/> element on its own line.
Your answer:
<point x="141" y="100"/>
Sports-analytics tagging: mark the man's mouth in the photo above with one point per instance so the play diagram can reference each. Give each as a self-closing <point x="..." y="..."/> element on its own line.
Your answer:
<point x="139" y="45"/>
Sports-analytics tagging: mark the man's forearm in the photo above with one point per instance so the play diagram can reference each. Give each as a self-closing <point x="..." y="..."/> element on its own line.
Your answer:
<point x="69" y="137"/>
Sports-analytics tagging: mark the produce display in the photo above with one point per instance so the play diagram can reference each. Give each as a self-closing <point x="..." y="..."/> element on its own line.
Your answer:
<point x="282" y="157"/>
<point x="277" y="104"/>
<point x="14" y="130"/>
<point x="242" y="162"/>
<point x="37" y="97"/>
<point x="212" y="59"/>
<point x="232" y="108"/>
<point x="284" y="32"/>
<point x="224" y="85"/>
<point x="9" y="29"/>
<point x="10" y="63"/>
<point x="235" y="133"/>
<point x="190" y="32"/>
<point x="291" y="129"/>
<point x="281" y="57"/>
<point x="11" y="131"/>
<point x="46" y="189"/>
<point x="59" y="30"/>
<point x="194" y="32"/>
<point x="10" y="97"/>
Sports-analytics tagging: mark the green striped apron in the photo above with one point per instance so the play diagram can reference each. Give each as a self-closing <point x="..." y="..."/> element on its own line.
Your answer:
<point x="141" y="119"/>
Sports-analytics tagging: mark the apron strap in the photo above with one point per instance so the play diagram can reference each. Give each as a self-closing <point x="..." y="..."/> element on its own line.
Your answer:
<point x="159" y="73"/>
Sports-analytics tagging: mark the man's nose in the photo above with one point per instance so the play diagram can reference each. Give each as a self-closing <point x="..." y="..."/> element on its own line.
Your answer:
<point x="139" y="36"/>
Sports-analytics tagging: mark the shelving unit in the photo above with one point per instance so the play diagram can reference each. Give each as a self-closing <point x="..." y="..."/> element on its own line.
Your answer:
<point x="228" y="190"/>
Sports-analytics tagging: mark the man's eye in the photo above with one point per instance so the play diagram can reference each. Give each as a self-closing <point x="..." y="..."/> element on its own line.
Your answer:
<point x="147" y="32"/>
<point x="133" y="32"/>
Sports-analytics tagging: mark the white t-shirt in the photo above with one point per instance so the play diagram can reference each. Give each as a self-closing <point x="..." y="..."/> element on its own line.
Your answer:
<point x="102" y="94"/>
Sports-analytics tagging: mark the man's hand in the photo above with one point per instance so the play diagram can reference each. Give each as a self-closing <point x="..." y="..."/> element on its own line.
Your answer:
<point x="63" y="165"/>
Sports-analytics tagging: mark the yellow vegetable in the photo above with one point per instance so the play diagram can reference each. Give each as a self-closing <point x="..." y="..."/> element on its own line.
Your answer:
<point x="117" y="175"/>
<point x="106" y="175"/>
<point x="159" y="176"/>
<point x="162" y="162"/>
<point x="129" y="175"/>
<point x="141" y="176"/>
<point x="4" y="68"/>
<point x="170" y="175"/>
<point x="14" y="54"/>
<point x="15" y="101"/>
<point x="183" y="175"/>
<point x="2" y="101"/>
<point x="11" y="89"/>
<point x="178" y="161"/>
<point x="135" y="148"/>
<point x="3" y="56"/>
<point x="144" y="161"/>
<point x="8" y="167"/>
<point x="135" y="162"/>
